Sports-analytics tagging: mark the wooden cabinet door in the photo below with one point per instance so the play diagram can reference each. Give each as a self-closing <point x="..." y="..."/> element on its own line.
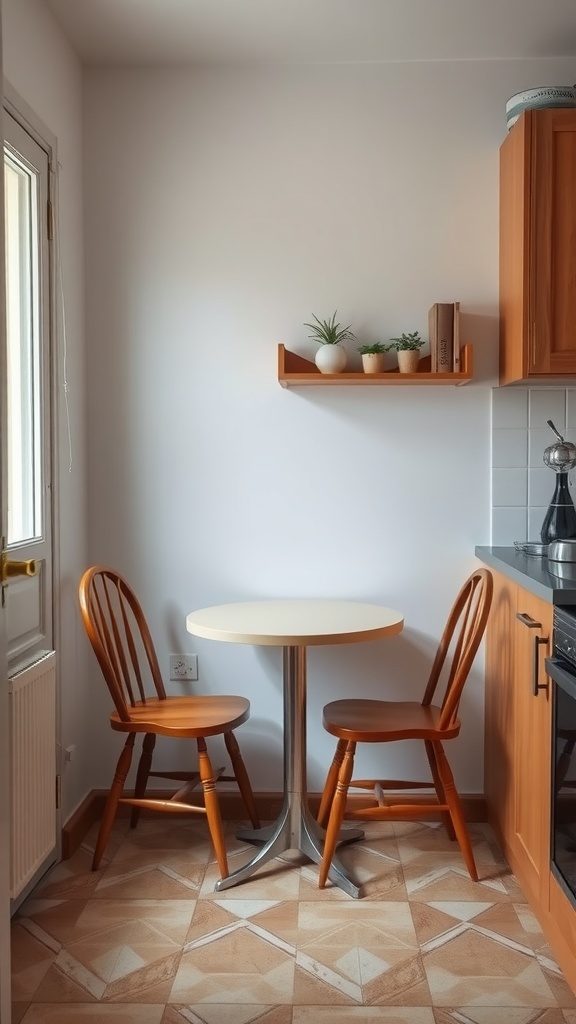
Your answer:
<point x="537" y="247"/>
<point x="529" y="838"/>
<point x="498" y="733"/>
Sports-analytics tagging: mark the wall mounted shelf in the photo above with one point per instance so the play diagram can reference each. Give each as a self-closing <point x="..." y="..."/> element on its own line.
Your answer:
<point x="295" y="371"/>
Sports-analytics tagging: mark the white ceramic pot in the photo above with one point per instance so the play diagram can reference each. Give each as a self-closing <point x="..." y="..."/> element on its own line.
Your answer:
<point x="330" y="358"/>
<point x="408" y="360"/>
<point x="373" y="362"/>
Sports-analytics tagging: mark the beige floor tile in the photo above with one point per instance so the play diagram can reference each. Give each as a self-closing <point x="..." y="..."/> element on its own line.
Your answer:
<point x="18" y="1011"/>
<point x="432" y="879"/>
<point x="370" y="1014"/>
<point x="240" y="964"/>
<point x="93" y="1013"/>
<point x="497" y="1015"/>
<point x="72" y="879"/>
<point x="224" y="1013"/>
<point x="54" y="921"/>
<point x="170" y="877"/>
<point x="147" y="939"/>
<point x="189" y="836"/>
<point x="467" y="966"/>
<point x="277" y="919"/>
<point x="31" y="960"/>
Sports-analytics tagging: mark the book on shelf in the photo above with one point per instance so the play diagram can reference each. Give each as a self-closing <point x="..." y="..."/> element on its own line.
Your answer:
<point x="457" y="343"/>
<point x="441" y="332"/>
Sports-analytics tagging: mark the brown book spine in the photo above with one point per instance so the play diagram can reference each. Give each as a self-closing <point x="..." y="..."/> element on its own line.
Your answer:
<point x="445" y="337"/>
<point x="433" y="336"/>
<point x="457" y="361"/>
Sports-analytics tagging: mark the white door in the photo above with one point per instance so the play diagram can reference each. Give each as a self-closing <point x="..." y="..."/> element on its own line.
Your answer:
<point x="27" y="591"/>
<point x="5" y="990"/>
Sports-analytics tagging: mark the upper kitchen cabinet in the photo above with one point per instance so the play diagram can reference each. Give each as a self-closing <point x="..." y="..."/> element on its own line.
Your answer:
<point x="538" y="249"/>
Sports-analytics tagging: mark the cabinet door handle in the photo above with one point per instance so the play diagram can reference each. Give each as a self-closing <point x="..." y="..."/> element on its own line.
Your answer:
<point x="527" y="620"/>
<point x="536" y="686"/>
<point x="533" y="344"/>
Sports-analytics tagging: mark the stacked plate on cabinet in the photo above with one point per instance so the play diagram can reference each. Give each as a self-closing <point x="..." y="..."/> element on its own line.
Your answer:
<point x="537" y="99"/>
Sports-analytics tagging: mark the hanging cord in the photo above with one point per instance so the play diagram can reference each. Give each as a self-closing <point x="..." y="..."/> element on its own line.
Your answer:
<point x="60" y="288"/>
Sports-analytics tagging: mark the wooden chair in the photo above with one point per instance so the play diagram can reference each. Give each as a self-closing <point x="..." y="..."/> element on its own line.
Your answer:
<point x="121" y="640"/>
<point x="380" y="721"/>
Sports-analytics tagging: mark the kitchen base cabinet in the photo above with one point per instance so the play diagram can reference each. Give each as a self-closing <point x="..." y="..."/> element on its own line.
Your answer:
<point x="518" y="733"/>
<point x="560" y="928"/>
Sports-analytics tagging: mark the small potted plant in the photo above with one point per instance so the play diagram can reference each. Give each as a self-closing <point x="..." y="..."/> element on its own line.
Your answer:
<point x="373" y="357"/>
<point x="330" y="357"/>
<point x="408" y="348"/>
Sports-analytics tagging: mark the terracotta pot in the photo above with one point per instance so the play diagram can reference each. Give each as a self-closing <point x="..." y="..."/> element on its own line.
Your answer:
<point x="330" y="358"/>
<point x="373" y="362"/>
<point x="408" y="360"/>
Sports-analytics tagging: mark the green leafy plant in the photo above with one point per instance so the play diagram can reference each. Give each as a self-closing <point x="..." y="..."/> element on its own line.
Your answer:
<point x="328" y="332"/>
<point x="407" y="342"/>
<point x="374" y="349"/>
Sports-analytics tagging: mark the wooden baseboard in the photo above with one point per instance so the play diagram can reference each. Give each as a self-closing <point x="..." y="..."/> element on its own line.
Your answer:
<point x="269" y="806"/>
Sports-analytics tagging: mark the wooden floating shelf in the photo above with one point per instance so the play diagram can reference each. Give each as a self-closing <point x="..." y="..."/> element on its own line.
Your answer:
<point x="294" y="372"/>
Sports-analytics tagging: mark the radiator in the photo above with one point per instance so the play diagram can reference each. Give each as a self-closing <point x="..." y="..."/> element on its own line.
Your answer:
<point x="33" y="769"/>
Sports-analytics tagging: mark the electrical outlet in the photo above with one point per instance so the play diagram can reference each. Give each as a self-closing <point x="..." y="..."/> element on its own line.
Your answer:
<point x="183" y="666"/>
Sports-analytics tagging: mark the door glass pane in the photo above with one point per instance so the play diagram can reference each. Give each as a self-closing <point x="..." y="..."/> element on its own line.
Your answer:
<point x="22" y="306"/>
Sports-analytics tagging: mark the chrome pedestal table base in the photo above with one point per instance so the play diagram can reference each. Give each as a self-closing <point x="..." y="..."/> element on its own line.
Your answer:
<point x="295" y="828"/>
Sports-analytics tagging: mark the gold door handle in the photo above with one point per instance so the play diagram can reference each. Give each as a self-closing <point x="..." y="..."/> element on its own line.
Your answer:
<point x="11" y="568"/>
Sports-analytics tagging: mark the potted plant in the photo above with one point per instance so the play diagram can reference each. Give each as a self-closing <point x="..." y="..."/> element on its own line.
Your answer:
<point x="330" y="357"/>
<point x="407" y="346"/>
<point x="373" y="357"/>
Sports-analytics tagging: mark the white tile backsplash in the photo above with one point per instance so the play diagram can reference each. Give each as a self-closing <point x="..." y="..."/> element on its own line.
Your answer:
<point x="509" y="448"/>
<point x="535" y="519"/>
<point x="508" y="525"/>
<point x="510" y="408"/>
<point x="571" y="411"/>
<point x="509" y="487"/>
<point x="547" y="404"/>
<point x="538" y="442"/>
<point x="522" y="486"/>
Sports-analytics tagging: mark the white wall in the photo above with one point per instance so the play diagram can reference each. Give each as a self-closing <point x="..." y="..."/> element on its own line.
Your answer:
<point x="41" y="67"/>
<point x="223" y="208"/>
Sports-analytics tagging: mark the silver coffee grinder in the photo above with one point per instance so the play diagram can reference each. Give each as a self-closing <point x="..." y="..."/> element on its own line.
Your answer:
<point x="560" y="519"/>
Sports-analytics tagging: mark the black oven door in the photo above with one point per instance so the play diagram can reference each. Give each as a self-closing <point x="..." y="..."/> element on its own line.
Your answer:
<point x="563" y="802"/>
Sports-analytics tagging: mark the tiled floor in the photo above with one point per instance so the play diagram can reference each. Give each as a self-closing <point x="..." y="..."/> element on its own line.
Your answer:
<point x="146" y="940"/>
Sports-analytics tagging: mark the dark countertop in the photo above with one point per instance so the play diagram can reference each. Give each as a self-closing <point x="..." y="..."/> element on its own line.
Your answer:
<point x="533" y="573"/>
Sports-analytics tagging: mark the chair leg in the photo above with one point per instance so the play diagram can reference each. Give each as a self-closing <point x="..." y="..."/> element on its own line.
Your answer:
<point x="144" y="766"/>
<point x="116" y="790"/>
<point x="337" y="812"/>
<point x="212" y="806"/>
<point x="456" y="812"/>
<point x="330" y="784"/>
<point x="439" y="788"/>
<point x="241" y="776"/>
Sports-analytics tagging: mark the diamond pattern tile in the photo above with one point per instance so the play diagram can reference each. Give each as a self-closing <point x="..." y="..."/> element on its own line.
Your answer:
<point x="146" y="940"/>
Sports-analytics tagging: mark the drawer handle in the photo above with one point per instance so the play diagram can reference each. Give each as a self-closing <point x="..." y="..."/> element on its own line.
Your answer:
<point x="536" y="686"/>
<point x="527" y="620"/>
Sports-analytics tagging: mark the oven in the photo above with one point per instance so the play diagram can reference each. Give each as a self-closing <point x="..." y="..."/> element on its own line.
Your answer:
<point x="562" y="670"/>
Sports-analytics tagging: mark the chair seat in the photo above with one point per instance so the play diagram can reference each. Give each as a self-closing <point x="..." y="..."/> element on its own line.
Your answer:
<point x="185" y="716"/>
<point x="378" y="721"/>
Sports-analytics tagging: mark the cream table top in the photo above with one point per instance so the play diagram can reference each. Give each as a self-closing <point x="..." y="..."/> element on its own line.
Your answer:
<point x="295" y="622"/>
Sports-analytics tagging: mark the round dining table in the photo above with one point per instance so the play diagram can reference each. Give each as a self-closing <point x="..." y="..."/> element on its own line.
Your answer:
<point x="294" y="624"/>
